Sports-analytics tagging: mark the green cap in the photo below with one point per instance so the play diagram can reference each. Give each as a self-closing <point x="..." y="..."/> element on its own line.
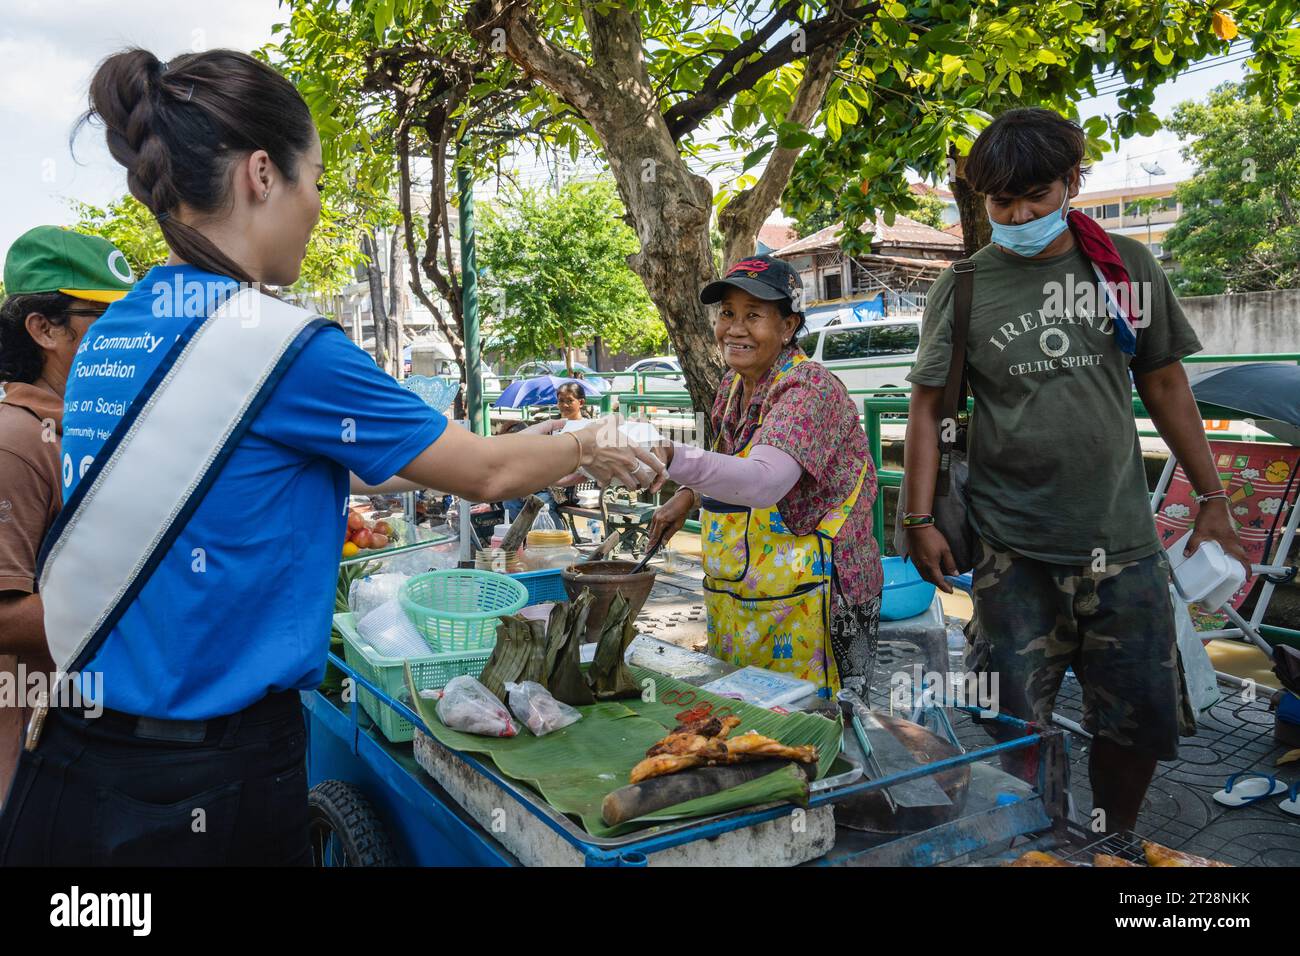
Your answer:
<point x="51" y="259"/>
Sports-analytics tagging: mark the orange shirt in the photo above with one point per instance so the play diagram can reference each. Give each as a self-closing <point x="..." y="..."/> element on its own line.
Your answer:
<point x="31" y="420"/>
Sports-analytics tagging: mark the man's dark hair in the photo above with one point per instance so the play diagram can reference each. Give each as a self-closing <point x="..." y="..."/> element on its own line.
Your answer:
<point x="21" y="359"/>
<point x="1022" y="150"/>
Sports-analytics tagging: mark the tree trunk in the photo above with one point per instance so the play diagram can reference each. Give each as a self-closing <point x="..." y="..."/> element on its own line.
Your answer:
<point x="975" y="229"/>
<point x="396" y="305"/>
<point x="379" y="315"/>
<point x="669" y="206"/>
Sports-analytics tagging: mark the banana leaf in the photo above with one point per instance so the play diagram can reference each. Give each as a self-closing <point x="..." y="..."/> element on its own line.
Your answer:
<point x="608" y="675"/>
<point x="567" y="625"/>
<point x="574" y="768"/>
<point x="787" y="785"/>
<point x="518" y="655"/>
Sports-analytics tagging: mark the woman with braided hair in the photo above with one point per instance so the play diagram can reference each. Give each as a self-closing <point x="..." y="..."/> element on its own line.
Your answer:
<point x="192" y="402"/>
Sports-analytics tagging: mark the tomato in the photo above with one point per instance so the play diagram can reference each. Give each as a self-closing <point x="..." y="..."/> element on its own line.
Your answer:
<point x="355" y="522"/>
<point x="378" y="540"/>
<point x="361" y="538"/>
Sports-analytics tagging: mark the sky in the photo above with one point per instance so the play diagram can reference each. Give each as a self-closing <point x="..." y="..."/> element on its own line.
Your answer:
<point x="49" y="48"/>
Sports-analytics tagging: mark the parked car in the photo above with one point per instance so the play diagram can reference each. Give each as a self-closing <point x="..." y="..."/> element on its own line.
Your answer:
<point x="626" y="381"/>
<point x="558" y="369"/>
<point x="873" y="343"/>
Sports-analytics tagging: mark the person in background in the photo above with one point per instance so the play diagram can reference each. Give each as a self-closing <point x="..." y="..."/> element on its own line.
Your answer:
<point x="569" y="399"/>
<point x="792" y="573"/>
<point x="57" y="282"/>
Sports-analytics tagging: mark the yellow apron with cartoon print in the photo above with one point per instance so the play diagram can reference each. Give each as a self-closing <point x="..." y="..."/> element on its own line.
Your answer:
<point x="767" y="590"/>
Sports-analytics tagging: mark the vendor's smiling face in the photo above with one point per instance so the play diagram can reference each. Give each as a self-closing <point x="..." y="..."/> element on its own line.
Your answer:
<point x="750" y="332"/>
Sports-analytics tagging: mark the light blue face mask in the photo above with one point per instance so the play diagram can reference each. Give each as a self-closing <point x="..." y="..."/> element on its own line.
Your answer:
<point x="1031" y="238"/>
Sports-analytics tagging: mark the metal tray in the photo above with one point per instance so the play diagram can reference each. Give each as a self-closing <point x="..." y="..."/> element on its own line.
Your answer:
<point x="575" y="831"/>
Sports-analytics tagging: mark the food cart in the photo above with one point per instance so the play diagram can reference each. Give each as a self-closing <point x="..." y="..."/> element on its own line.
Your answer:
<point x="412" y="800"/>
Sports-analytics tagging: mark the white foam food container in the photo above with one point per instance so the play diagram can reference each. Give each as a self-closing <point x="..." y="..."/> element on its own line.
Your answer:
<point x="1208" y="577"/>
<point x="639" y="433"/>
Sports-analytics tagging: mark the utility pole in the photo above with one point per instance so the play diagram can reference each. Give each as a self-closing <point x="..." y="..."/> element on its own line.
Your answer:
<point x="469" y="300"/>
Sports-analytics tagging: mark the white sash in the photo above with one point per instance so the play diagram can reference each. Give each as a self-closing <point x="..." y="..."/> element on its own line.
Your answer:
<point x="159" y="463"/>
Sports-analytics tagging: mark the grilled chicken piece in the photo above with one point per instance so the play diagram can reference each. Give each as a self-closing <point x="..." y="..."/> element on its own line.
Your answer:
<point x="701" y="737"/>
<point x="683" y="744"/>
<point x="756" y="745"/>
<point x="1039" y="858"/>
<point x="683" y="750"/>
<point x="1158" y="855"/>
<point x="709" y="726"/>
<point x="1105" y="859"/>
<point x="662" y="764"/>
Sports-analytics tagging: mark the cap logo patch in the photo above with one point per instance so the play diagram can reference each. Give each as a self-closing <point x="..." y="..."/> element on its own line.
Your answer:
<point x="124" y="273"/>
<point x="751" y="266"/>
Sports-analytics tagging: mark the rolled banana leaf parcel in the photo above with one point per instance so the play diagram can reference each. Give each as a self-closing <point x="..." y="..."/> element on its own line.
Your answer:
<point x="548" y="653"/>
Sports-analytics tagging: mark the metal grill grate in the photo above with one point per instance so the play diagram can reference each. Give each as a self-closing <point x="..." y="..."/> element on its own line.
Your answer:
<point x="1126" y="846"/>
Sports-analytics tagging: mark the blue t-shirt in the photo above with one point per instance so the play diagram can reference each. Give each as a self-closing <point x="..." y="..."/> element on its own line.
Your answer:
<point x="240" y="604"/>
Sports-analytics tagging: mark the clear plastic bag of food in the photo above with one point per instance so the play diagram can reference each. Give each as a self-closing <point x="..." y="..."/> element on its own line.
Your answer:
<point x="467" y="705"/>
<point x="540" y="712"/>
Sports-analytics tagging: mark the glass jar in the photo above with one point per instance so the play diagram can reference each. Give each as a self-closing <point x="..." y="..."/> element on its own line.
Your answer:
<point x="500" y="560"/>
<point x="549" y="549"/>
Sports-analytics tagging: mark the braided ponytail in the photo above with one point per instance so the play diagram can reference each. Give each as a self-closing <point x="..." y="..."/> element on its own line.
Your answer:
<point x="178" y="127"/>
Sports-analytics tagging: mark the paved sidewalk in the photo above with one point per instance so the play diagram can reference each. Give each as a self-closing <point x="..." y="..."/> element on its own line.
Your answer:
<point x="1179" y="810"/>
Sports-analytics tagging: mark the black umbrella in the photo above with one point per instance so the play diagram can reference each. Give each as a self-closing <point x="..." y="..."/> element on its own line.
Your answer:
<point x="1267" y="393"/>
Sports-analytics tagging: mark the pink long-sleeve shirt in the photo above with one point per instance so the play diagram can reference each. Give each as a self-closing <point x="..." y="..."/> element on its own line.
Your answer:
<point x="759" y="480"/>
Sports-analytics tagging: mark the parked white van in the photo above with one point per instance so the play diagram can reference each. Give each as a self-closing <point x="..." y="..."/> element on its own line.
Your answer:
<point x="868" y="344"/>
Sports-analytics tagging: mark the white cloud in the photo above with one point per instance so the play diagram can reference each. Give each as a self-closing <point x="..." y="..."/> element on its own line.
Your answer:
<point x="1249" y="474"/>
<point x="1178" y="511"/>
<point x="1270" y="506"/>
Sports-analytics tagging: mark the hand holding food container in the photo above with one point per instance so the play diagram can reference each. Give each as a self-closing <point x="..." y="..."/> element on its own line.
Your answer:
<point x="1208" y="576"/>
<point x="621" y="452"/>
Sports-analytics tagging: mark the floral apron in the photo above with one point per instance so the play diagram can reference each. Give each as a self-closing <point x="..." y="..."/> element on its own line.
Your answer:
<point x="768" y="590"/>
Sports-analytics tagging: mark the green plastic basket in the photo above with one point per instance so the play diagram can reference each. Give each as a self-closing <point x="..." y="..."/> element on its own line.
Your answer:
<point x="430" y="673"/>
<point x="457" y="610"/>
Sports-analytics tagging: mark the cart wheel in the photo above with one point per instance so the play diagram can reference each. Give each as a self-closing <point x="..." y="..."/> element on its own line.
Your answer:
<point x="344" y="829"/>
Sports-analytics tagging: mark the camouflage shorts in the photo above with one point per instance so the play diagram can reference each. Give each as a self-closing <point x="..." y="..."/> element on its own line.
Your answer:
<point x="1114" y="627"/>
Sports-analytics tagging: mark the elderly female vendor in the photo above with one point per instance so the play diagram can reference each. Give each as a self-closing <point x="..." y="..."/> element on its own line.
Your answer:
<point x="792" y="572"/>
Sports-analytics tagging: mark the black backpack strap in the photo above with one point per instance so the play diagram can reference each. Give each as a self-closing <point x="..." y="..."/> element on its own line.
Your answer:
<point x="955" y="390"/>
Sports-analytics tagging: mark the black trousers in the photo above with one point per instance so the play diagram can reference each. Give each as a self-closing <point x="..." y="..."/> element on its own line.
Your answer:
<point x="117" y="790"/>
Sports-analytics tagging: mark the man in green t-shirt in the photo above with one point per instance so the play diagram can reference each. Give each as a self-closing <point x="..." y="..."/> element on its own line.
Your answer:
<point x="1065" y="319"/>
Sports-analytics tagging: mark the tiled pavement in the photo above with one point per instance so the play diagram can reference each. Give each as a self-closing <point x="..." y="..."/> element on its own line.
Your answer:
<point x="1236" y="735"/>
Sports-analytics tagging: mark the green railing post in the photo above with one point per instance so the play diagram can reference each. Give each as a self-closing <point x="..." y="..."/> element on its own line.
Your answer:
<point x="871" y="420"/>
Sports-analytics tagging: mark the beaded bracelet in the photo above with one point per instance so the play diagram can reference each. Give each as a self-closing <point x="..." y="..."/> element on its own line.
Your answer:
<point x="917" y="520"/>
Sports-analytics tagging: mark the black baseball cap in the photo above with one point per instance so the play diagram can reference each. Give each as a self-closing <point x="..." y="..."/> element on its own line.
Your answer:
<point x="763" y="277"/>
